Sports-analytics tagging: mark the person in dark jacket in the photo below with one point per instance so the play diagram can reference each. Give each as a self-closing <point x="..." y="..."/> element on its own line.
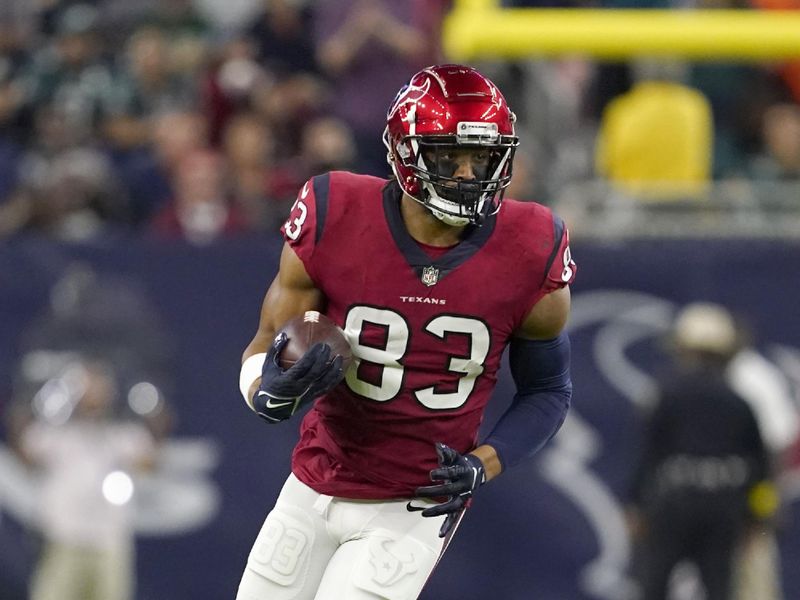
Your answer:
<point x="702" y="462"/>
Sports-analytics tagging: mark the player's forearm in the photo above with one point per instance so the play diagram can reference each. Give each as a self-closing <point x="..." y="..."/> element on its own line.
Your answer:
<point x="253" y="360"/>
<point x="530" y="422"/>
<point x="260" y="342"/>
<point x="491" y="461"/>
<point x="540" y="369"/>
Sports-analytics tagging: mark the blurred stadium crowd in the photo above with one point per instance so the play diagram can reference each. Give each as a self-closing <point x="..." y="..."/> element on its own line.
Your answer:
<point x="191" y="119"/>
<point x="197" y="119"/>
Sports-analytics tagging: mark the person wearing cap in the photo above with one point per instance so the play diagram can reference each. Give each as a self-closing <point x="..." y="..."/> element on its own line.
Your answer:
<point x="703" y="474"/>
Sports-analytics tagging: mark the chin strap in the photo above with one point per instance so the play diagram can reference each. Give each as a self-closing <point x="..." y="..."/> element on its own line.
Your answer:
<point x="444" y="217"/>
<point x="449" y="219"/>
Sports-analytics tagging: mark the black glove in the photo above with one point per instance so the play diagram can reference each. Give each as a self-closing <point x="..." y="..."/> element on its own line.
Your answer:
<point x="282" y="392"/>
<point x="462" y="475"/>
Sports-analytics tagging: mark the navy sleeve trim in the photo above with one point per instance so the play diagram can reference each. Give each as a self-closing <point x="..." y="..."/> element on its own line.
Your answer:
<point x="321" y="189"/>
<point x="558" y="232"/>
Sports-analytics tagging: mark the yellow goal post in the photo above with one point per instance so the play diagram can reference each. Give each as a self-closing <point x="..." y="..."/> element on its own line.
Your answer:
<point x="483" y="29"/>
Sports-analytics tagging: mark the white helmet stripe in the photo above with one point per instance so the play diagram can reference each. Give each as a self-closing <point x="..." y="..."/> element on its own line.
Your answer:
<point x="411" y="117"/>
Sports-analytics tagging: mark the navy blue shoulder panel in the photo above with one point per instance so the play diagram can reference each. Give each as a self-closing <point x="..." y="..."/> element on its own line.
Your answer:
<point x="322" y="184"/>
<point x="558" y="231"/>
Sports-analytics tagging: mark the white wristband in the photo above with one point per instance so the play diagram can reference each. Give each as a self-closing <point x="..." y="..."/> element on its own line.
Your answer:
<point x="251" y="370"/>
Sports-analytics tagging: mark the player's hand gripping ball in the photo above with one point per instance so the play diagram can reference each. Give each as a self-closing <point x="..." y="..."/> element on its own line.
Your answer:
<point x="309" y="329"/>
<point x="307" y="359"/>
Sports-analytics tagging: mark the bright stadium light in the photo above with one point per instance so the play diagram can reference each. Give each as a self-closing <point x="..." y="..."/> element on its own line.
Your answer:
<point x="118" y="488"/>
<point x="144" y="398"/>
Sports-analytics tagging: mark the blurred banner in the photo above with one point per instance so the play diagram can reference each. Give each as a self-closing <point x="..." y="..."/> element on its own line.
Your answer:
<point x="552" y="529"/>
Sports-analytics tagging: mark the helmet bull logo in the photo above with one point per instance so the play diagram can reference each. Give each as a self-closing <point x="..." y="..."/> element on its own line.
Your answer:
<point x="410" y="94"/>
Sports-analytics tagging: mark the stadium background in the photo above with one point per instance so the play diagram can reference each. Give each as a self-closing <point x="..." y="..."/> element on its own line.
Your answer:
<point x="179" y="308"/>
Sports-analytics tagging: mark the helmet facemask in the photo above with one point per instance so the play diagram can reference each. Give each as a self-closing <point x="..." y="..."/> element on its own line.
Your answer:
<point x="454" y="200"/>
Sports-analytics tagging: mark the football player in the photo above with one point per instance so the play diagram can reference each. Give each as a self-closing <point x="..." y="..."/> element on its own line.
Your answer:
<point x="431" y="275"/>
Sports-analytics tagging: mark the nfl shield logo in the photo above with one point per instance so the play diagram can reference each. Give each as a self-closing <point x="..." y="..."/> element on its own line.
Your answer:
<point x="430" y="276"/>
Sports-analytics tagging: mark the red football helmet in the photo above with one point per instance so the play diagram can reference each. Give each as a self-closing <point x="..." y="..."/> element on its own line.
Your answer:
<point x="441" y="108"/>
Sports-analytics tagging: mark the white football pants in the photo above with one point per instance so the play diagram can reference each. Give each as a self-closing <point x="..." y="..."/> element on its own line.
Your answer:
<point x="317" y="547"/>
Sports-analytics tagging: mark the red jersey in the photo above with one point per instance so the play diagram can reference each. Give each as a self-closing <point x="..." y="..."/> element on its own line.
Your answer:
<point x="428" y="328"/>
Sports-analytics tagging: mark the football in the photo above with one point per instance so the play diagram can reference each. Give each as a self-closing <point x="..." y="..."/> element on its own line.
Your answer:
<point x="309" y="329"/>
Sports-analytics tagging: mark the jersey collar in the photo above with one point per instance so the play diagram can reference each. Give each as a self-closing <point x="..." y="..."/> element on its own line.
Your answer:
<point x="430" y="270"/>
